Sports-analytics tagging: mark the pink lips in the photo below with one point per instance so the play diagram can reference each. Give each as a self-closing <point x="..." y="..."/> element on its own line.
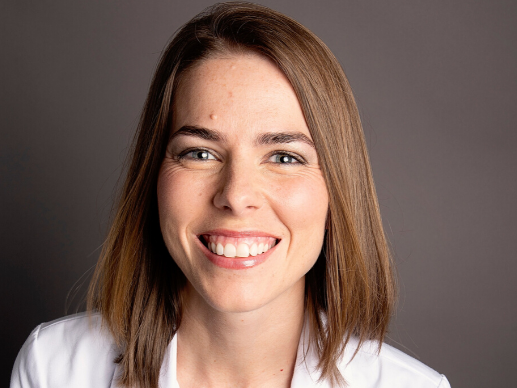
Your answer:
<point x="235" y="262"/>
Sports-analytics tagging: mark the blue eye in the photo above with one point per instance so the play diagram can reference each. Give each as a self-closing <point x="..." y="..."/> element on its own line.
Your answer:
<point x="285" y="159"/>
<point x="198" y="155"/>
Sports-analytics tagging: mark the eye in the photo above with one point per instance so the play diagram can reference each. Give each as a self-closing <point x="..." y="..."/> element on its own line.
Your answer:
<point x="197" y="154"/>
<point x="286" y="158"/>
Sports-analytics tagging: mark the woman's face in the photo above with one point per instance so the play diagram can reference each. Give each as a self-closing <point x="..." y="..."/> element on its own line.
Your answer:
<point x="241" y="176"/>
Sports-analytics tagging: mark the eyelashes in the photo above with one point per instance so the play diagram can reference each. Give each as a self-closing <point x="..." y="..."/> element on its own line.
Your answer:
<point x="284" y="157"/>
<point x="205" y="155"/>
<point x="196" y="154"/>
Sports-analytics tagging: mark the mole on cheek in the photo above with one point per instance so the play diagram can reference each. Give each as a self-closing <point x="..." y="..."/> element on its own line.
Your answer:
<point x="213" y="116"/>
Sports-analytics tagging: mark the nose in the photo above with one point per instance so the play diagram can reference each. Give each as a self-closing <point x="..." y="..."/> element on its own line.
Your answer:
<point x="239" y="191"/>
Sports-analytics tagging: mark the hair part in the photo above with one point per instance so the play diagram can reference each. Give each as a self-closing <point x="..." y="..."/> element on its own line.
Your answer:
<point x="350" y="291"/>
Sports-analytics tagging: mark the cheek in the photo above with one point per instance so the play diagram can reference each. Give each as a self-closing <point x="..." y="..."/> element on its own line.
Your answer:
<point x="175" y="182"/>
<point x="302" y="207"/>
<point x="303" y="202"/>
<point x="180" y="198"/>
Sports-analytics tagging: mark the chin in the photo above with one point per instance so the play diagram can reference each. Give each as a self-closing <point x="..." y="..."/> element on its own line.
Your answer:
<point x="247" y="295"/>
<point x="236" y="298"/>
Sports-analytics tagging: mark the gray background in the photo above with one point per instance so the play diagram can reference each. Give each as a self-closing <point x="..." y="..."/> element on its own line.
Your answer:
<point x="436" y="85"/>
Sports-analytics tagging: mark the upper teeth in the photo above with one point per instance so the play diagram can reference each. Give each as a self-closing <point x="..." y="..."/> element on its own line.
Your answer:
<point x="239" y="247"/>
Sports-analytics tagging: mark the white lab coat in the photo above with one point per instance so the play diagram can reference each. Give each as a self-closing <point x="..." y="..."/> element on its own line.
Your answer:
<point x="73" y="352"/>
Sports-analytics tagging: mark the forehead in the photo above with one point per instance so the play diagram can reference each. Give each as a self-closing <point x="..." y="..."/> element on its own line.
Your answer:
<point x="237" y="91"/>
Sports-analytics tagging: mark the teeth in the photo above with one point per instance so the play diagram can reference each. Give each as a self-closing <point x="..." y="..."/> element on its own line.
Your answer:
<point x="220" y="249"/>
<point x="229" y="250"/>
<point x="244" y="248"/>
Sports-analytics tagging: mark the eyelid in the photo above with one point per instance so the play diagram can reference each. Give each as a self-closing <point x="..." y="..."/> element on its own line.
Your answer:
<point x="300" y="159"/>
<point x="187" y="151"/>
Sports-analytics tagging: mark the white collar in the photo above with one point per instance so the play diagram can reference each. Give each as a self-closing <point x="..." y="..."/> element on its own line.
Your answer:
<point x="305" y="372"/>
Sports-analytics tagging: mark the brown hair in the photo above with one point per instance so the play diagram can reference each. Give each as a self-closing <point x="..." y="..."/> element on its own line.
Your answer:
<point x="350" y="290"/>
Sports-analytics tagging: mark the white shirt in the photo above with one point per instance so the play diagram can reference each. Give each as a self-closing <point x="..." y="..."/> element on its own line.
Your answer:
<point x="75" y="352"/>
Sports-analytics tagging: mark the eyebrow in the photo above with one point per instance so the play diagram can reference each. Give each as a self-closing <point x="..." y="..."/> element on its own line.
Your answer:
<point x="267" y="138"/>
<point x="203" y="133"/>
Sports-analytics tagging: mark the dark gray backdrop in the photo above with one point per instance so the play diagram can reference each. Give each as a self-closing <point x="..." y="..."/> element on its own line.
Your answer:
<point x="436" y="86"/>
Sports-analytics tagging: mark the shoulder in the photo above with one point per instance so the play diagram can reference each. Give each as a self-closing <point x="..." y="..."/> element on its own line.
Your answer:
<point x="388" y="368"/>
<point x="74" y="351"/>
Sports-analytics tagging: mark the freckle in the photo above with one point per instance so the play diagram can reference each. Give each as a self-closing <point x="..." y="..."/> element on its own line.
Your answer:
<point x="230" y="94"/>
<point x="213" y="116"/>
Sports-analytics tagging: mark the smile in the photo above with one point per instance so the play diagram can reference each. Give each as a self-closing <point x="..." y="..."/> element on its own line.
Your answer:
<point x="237" y="250"/>
<point x="238" y="246"/>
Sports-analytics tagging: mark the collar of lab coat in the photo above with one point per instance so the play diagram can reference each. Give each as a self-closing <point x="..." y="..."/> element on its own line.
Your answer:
<point x="305" y="372"/>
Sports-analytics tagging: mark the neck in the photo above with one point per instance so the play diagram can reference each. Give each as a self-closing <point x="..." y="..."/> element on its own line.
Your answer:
<point x="240" y="349"/>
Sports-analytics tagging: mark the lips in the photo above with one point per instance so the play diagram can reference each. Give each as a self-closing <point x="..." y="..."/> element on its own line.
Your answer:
<point x="237" y="250"/>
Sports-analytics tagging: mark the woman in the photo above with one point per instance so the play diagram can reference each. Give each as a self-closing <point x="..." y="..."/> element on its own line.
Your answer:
<point x="248" y="248"/>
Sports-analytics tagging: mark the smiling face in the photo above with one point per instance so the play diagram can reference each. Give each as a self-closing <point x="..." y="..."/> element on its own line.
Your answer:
<point x="241" y="177"/>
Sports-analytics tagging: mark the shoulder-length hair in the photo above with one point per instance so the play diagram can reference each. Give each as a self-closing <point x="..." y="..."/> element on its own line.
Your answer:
<point x="350" y="291"/>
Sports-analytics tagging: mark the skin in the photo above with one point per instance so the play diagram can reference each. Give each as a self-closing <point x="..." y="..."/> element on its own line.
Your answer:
<point x="241" y="328"/>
